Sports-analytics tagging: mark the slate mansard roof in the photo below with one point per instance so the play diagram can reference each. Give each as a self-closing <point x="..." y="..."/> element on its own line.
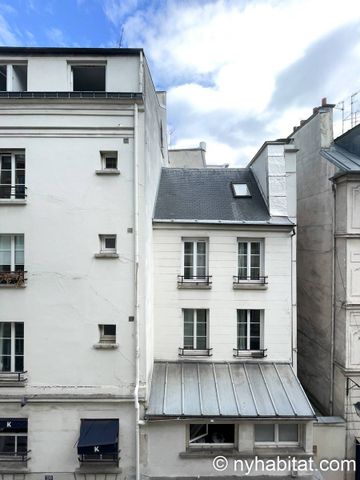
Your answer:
<point x="205" y="195"/>
<point x="344" y="152"/>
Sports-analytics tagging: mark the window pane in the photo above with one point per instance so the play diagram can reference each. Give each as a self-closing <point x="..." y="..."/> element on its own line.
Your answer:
<point x="19" y="347"/>
<point x="110" y="242"/>
<point x="110" y="162"/>
<point x="3" y="75"/>
<point x="197" y="431"/>
<point x="7" y="444"/>
<point x="255" y="343"/>
<point x="5" y="346"/>
<point x="22" y="444"/>
<point x="189" y="248"/>
<point x="5" y="251"/>
<point x="221" y="433"/>
<point x="242" y="343"/>
<point x="255" y="248"/>
<point x="109" y="329"/>
<point x="5" y="363"/>
<point x="264" y="433"/>
<point x="288" y="432"/>
<point x="19" y="330"/>
<point x="254" y="316"/>
<point x="201" y="248"/>
<point x="5" y="329"/>
<point x="19" y="364"/>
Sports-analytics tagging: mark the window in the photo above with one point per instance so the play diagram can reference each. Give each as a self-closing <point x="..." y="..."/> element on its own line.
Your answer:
<point x="99" y="440"/>
<point x="108" y="243"/>
<point x="13" y="77"/>
<point x="107" y="333"/>
<point x="109" y="160"/>
<point x="11" y="259"/>
<point x="11" y="347"/>
<point x="12" y="175"/>
<point x="241" y="190"/>
<point x="211" y="434"/>
<point x="195" y="329"/>
<point x="250" y="259"/>
<point x="88" y="78"/>
<point x="195" y="259"/>
<point x="249" y="329"/>
<point x="13" y="439"/>
<point x="277" y="434"/>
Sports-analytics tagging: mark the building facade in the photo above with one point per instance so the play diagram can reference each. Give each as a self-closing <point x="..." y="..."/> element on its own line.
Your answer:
<point x="224" y="379"/>
<point x="81" y="147"/>
<point x="328" y="203"/>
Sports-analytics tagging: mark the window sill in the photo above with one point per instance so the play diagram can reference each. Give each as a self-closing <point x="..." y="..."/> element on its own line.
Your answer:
<point x="249" y="353"/>
<point x="105" y="346"/>
<point x="194" y="285"/>
<point x="13" y="286"/>
<point x="15" y="384"/>
<point x="14" y="201"/>
<point x="208" y="452"/>
<point x="106" y="255"/>
<point x="274" y="451"/>
<point x="108" y="171"/>
<point x="250" y="286"/>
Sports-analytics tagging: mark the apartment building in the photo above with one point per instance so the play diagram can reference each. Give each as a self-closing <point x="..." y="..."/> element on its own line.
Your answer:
<point x="328" y="200"/>
<point x="82" y="142"/>
<point x="224" y="380"/>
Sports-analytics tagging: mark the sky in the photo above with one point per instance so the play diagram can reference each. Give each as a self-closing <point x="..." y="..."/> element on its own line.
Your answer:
<point x="236" y="72"/>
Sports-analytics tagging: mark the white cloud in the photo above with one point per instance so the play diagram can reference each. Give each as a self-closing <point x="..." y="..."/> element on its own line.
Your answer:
<point x="8" y="36"/>
<point x="238" y="48"/>
<point x="56" y="36"/>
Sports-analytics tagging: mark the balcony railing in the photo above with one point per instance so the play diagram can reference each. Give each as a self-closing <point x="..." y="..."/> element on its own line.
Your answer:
<point x="198" y="280"/>
<point x="193" y="352"/>
<point x="239" y="353"/>
<point x="12" y="192"/>
<point x="13" y="377"/>
<point x="99" y="458"/>
<point x="15" y="279"/>
<point x="238" y="279"/>
<point x="14" y="456"/>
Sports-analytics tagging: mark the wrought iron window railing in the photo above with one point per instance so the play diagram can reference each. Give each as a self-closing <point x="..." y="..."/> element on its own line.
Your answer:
<point x="14" y="456"/>
<point x="202" y="279"/>
<point x="200" y="352"/>
<point x="12" y="192"/>
<point x="19" y="377"/>
<point x="15" y="278"/>
<point x="99" y="458"/>
<point x="241" y="353"/>
<point x="238" y="279"/>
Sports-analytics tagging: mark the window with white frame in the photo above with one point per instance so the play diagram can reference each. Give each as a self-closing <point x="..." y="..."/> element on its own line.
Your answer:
<point x="107" y="243"/>
<point x="107" y="333"/>
<point x="250" y="259"/>
<point x="11" y="253"/>
<point x="11" y="347"/>
<point x="211" y="434"/>
<point x="281" y="434"/>
<point x="195" y="329"/>
<point x="13" y="77"/>
<point x="13" y="438"/>
<point x="109" y="160"/>
<point x="249" y="330"/>
<point x="12" y="175"/>
<point x="195" y="259"/>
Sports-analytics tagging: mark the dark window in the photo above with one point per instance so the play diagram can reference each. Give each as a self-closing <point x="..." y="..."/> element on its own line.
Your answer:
<point x="3" y="76"/>
<point x="212" y="434"/>
<point x="88" y="78"/>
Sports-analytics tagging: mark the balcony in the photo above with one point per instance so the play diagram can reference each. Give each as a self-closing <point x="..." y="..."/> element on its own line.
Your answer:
<point x="250" y="283"/>
<point x="12" y="279"/>
<point x="194" y="281"/>
<point x="14" y="456"/>
<point x="249" y="353"/>
<point x="13" y="379"/>
<point x="12" y="194"/>
<point x="191" y="352"/>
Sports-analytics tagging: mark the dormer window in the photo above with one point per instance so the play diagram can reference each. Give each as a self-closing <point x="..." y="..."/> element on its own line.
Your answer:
<point x="88" y="78"/>
<point x="241" y="190"/>
<point x="13" y="77"/>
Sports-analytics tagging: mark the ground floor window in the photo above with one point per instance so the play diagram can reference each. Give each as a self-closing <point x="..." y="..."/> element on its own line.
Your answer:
<point x="284" y="434"/>
<point x="13" y="439"/>
<point x="211" y="434"/>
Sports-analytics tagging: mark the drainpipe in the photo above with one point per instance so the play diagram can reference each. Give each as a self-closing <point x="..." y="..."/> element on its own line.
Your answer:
<point x="333" y="304"/>
<point x="293" y="304"/>
<point x="136" y="296"/>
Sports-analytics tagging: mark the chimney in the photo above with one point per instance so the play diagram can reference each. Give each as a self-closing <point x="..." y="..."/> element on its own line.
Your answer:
<point x="202" y="146"/>
<point x="324" y="102"/>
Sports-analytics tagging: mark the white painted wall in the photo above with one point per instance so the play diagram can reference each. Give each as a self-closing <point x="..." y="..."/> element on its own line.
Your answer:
<point x="222" y="301"/>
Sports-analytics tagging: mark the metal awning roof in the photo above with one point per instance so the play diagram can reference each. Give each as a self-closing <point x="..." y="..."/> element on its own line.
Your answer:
<point x="226" y="389"/>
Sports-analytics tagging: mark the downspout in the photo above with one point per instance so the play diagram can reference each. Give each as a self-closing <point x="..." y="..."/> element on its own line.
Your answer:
<point x="136" y="296"/>
<point x="293" y="342"/>
<point x="333" y="303"/>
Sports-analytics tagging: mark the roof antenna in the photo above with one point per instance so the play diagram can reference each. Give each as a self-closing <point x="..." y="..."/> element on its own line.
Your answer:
<point x="121" y="37"/>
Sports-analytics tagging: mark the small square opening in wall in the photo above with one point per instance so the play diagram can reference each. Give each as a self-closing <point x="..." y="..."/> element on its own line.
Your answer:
<point x="107" y="333"/>
<point x="108" y="243"/>
<point x="109" y="160"/>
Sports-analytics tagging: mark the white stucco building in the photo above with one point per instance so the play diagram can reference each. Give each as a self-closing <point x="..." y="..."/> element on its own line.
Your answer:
<point x="82" y="141"/>
<point x="224" y="379"/>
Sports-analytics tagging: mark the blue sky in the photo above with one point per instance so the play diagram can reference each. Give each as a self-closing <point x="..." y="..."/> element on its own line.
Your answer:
<point x="237" y="72"/>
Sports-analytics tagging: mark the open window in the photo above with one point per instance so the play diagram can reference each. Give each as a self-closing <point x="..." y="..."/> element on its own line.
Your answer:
<point x="88" y="78"/>
<point x="13" y="77"/>
<point x="211" y="435"/>
<point x="99" y="441"/>
<point x="107" y="333"/>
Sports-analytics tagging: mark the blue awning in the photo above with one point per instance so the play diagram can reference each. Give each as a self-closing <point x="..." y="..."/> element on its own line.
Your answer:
<point x="98" y="437"/>
<point x="13" y="425"/>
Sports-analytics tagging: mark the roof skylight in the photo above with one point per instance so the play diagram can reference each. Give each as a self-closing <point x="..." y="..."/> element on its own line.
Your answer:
<point x="241" y="190"/>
